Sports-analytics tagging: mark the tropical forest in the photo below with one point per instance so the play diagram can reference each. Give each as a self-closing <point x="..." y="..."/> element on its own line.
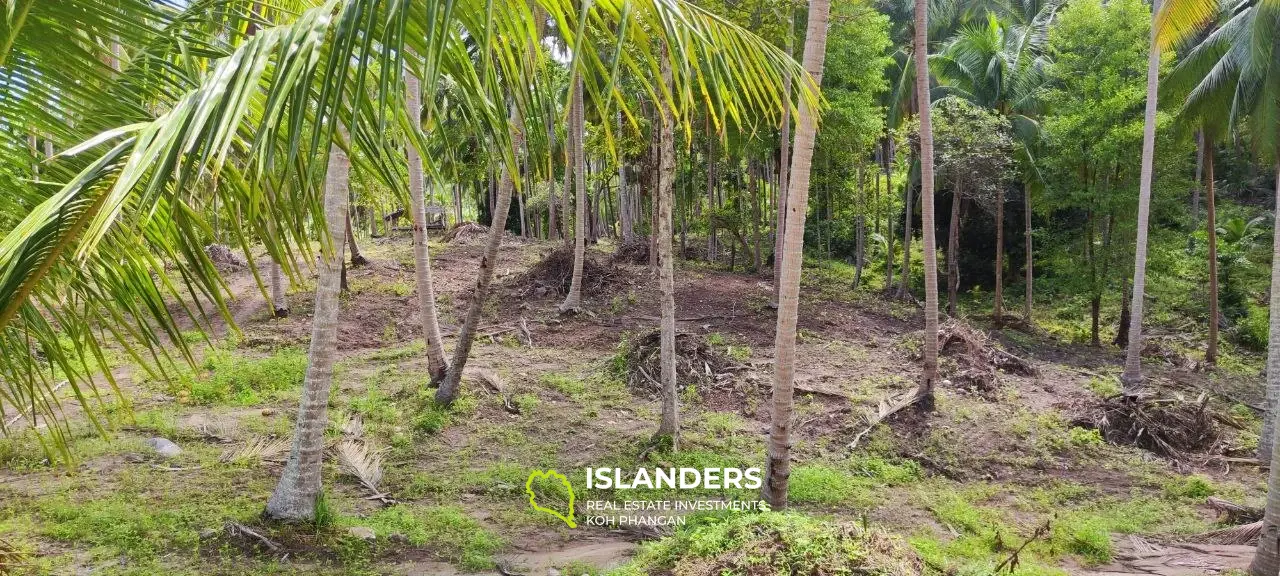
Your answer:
<point x="640" y="287"/>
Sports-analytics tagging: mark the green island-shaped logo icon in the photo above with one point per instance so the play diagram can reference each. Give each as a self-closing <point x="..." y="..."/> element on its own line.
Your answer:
<point x="533" y="498"/>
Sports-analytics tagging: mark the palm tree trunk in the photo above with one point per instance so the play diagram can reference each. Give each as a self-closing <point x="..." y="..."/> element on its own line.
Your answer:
<point x="357" y="259"/>
<point x="1131" y="379"/>
<point x="1026" y="238"/>
<point x="1211" y="352"/>
<point x="436" y="366"/>
<point x="754" y="185"/>
<point x="1266" y="562"/>
<point x="279" y="299"/>
<point x="998" y="313"/>
<point x="778" y="462"/>
<point x="573" y="300"/>
<point x="784" y="173"/>
<point x="712" y="248"/>
<point x="887" y="159"/>
<point x="295" y="495"/>
<point x="930" y="244"/>
<point x="1195" y="190"/>
<point x="908" y="212"/>
<point x="953" y="251"/>
<point x="670" y="424"/>
<point x="624" y="202"/>
<point x="568" y="172"/>
<point x="449" y="386"/>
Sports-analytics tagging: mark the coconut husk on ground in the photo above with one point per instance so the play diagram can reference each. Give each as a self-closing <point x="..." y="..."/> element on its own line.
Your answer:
<point x="978" y="358"/>
<point x="1170" y="427"/>
<point x="635" y="251"/>
<point x="554" y="273"/>
<point x="697" y="363"/>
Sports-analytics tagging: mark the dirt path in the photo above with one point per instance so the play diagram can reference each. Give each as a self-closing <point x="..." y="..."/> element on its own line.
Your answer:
<point x="1134" y="556"/>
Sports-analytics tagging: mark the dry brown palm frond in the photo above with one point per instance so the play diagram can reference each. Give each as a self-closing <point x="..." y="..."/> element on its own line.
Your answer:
<point x="1243" y="535"/>
<point x="354" y="428"/>
<point x="11" y="558"/>
<point x="223" y="431"/>
<point x="356" y="459"/>
<point x="256" y="450"/>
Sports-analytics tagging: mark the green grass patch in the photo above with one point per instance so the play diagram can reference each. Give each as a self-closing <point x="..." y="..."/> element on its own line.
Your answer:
<point x="231" y="379"/>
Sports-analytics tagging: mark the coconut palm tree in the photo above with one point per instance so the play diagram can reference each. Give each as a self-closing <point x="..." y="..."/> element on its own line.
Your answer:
<point x="577" y="131"/>
<point x="778" y="460"/>
<point x="1000" y="64"/>
<point x="430" y="317"/>
<point x="920" y="48"/>
<point x="299" y="487"/>
<point x="669" y="427"/>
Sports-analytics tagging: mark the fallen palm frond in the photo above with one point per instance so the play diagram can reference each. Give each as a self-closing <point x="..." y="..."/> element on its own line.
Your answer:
<point x="1243" y="535"/>
<point x="223" y="431"/>
<point x="355" y="459"/>
<point x="884" y="410"/>
<point x="256" y="450"/>
<point x="238" y="530"/>
<point x="10" y="558"/>
<point x="354" y="428"/>
<point x="1231" y="513"/>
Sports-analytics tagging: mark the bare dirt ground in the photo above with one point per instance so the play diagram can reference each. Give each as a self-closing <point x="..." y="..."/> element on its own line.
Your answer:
<point x="965" y="485"/>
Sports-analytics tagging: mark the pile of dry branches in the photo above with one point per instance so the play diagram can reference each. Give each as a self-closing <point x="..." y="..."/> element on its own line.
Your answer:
<point x="635" y="251"/>
<point x="1170" y="427"/>
<point x="466" y="232"/>
<point x="977" y="358"/>
<point x="554" y="273"/>
<point x="697" y="362"/>
<point x="222" y="256"/>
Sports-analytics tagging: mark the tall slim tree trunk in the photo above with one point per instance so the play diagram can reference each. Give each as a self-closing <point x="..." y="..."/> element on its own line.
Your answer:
<point x="1131" y="379"/>
<point x="784" y="170"/>
<point x="887" y="158"/>
<point x="295" y="495"/>
<point x="449" y="386"/>
<point x="778" y="461"/>
<point x="670" y="424"/>
<point x="712" y="246"/>
<point x="553" y="227"/>
<point x="279" y="298"/>
<point x="1266" y="562"/>
<point x="998" y="313"/>
<point x="754" y="185"/>
<point x="357" y="259"/>
<point x="930" y="244"/>
<point x="953" y="251"/>
<point x="1211" y="351"/>
<point x="1195" y="190"/>
<point x="1027" y="268"/>
<point x="436" y="365"/>
<point x="625" y="214"/>
<point x="573" y="300"/>
<point x="908" y="212"/>
<point x="860" y="230"/>
<point x="568" y="172"/>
